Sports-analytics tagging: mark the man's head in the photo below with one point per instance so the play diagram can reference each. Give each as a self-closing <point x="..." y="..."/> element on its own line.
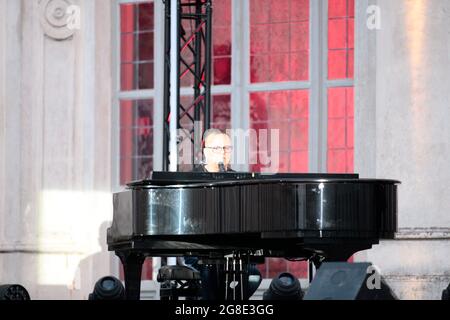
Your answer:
<point x="216" y="148"/>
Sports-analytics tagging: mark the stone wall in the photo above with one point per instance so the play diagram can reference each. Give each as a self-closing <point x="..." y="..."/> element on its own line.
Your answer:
<point x="55" y="146"/>
<point x="402" y="131"/>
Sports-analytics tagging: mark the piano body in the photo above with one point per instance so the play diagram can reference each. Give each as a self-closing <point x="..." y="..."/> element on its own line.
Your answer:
<point x="321" y="217"/>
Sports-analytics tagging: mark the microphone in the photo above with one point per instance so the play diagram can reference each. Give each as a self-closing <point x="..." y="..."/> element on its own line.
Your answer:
<point x="221" y="167"/>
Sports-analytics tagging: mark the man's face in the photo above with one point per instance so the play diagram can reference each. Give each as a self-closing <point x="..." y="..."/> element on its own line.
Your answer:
<point x="218" y="149"/>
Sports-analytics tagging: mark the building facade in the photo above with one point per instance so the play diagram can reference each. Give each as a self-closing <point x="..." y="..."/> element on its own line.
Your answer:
<point x="353" y="87"/>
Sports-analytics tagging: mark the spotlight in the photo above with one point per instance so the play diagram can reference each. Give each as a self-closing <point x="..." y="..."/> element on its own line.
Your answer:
<point x="348" y="281"/>
<point x="13" y="292"/>
<point x="284" y="287"/>
<point x="108" y="288"/>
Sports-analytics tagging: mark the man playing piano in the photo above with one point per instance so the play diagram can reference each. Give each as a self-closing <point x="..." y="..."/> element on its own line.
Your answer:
<point x="217" y="150"/>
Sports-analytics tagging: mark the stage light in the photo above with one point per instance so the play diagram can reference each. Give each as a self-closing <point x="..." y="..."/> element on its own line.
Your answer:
<point x="13" y="292"/>
<point x="348" y="281"/>
<point x="108" y="288"/>
<point x="284" y="287"/>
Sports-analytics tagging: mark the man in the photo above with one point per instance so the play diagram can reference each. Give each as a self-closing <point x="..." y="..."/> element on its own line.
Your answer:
<point x="217" y="151"/>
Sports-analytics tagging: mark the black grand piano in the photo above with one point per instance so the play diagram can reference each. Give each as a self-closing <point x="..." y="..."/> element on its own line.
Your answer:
<point x="320" y="217"/>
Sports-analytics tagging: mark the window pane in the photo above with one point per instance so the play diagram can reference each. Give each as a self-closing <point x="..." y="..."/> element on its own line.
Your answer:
<point x="351" y="8"/>
<point x="127" y="41"/>
<point x="286" y="111"/>
<point x="136" y="75"/>
<point x="337" y="34"/>
<point x="279" y="67"/>
<point x="337" y="64"/>
<point x="136" y="139"/>
<point x="340" y="130"/>
<point x="127" y="18"/>
<point x="222" y="70"/>
<point x="137" y="46"/>
<point x="146" y="16"/>
<point x="337" y="8"/>
<point x="259" y="13"/>
<point x="279" y="40"/>
<point x="221" y="42"/>
<point x="341" y="31"/>
<point x="145" y="46"/>
<point x="221" y="112"/>
<point x="145" y="75"/>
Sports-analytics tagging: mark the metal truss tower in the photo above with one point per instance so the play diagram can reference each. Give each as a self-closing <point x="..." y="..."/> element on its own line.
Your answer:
<point x="187" y="65"/>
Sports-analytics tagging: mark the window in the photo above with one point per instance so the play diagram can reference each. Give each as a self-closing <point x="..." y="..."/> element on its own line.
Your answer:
<point x="136" y="76"/>
<point x="287" y="111"/>
<point x="290" y="67"/>
<point x="279" y="40"/>
<point x="136" y="95"/>
<point x="136" y="139"/>
<point x="279" y="54"/>
<point x="281" y="57"/>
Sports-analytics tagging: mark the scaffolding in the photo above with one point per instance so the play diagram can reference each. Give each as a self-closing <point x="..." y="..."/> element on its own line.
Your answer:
<point x="187" y="67"/>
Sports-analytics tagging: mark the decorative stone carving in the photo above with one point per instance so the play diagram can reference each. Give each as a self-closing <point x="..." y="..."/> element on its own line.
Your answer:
<point x="56" y="18"/>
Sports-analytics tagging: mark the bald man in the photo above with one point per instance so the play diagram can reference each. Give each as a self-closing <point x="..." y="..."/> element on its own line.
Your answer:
<point x="217" y="150"/>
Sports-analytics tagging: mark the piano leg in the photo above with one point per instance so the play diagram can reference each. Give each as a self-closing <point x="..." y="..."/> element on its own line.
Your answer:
<point x="132" y="268"/>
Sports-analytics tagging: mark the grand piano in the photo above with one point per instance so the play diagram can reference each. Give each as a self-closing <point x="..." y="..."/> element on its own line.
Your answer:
<point x="316" y="217"/>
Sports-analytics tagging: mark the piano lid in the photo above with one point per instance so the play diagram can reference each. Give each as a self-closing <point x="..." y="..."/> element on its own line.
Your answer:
<point x="192" y="178"/>
<point x="169" y="178"/>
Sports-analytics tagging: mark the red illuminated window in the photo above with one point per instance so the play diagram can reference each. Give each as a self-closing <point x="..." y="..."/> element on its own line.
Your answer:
<point x="136" y="46"/>
<point x="221" y="112"/>
<point x="136" y="139"/>
<point x="279" y="40"/>
<point x="137" y="73"/>
<point x="341" y="25"/>
<point x="280" y="56"/>
<point x="286" y="111"/>
<point x="136" y="114"/>
<point x="221" y="42"/>
<point x="280" y="52"/>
